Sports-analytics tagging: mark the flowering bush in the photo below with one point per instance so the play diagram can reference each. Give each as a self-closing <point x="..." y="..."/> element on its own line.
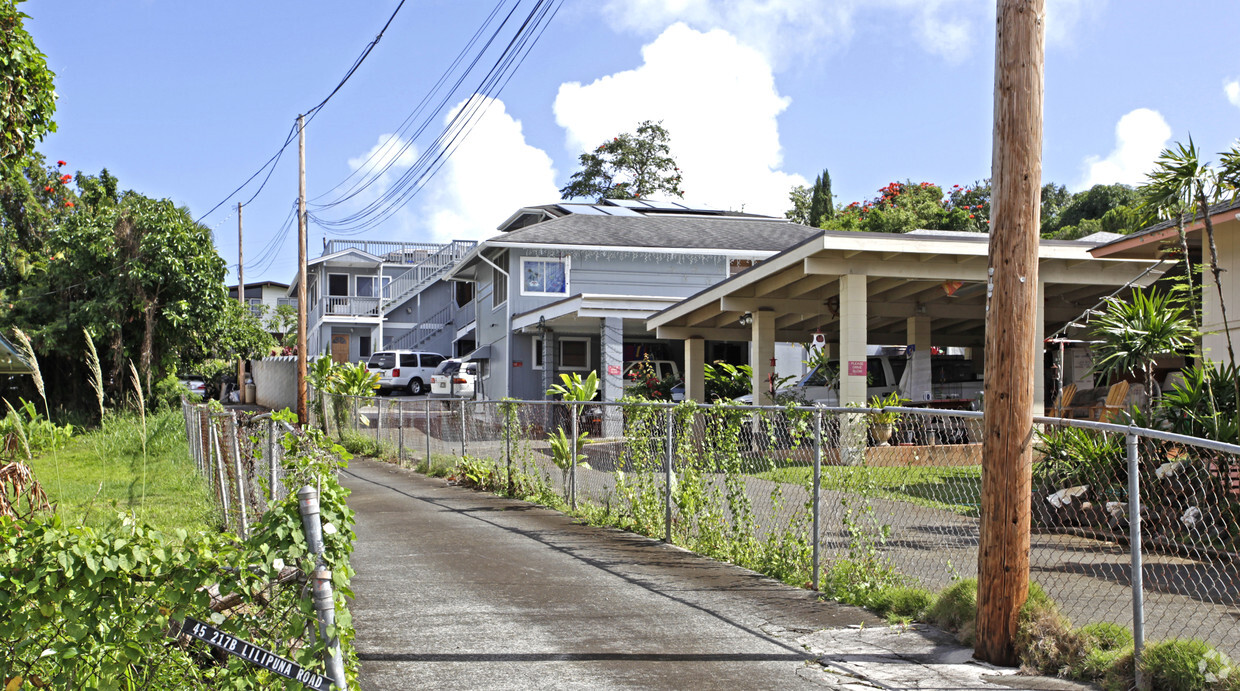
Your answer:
<point x="904" y="206"/>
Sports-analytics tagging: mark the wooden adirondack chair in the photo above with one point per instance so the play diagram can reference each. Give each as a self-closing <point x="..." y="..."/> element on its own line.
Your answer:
<point x="1113" y="404"/>
<point x="1065" y="401"/>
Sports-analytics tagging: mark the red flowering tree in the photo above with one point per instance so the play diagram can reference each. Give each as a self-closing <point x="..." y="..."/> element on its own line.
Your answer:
<point x="904" y="206"/>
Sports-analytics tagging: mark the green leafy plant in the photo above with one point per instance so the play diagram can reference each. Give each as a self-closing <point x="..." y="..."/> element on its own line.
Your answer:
<point x="1134" y="331"/>
<point x="565" y="454"/>
<point x="726" y="382"/>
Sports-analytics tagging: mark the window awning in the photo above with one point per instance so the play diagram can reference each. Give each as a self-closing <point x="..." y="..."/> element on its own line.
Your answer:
<point x="483" y="353"/>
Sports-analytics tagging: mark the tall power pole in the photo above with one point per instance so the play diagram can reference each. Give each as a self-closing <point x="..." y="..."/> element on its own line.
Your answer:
<point x="241" y="299"/>
<point x="302" y="412"/>
<point x="1011" y="333"/>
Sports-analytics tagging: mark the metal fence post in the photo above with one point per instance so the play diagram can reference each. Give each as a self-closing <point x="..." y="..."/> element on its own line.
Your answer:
<point x="817" y="498"/>
<point x="236" y="445"/>
<point x="273" y="487"/>
<point x="428" y="433"/>
<point x="378" y="422"/>
<point x="462" y="428"/>
<point x="400" y="434"/>
<point x="572" y="460"/>
<point x="504" y="410"/>
<point x="324" y="603"/>
<point x="1134" y="542"/>
<point x="218" y="461"/>
<point x="667" y="482"/>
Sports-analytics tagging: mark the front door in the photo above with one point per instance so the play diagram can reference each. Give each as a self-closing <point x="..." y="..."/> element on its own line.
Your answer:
<point x="340" y="348"/>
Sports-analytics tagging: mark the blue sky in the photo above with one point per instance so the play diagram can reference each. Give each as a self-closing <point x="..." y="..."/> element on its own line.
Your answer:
<point x="187" y="100"/>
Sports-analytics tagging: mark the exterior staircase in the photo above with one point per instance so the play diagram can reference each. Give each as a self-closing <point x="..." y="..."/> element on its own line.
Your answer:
<point x="426" y="330"/>
<point x="415" y="279"/>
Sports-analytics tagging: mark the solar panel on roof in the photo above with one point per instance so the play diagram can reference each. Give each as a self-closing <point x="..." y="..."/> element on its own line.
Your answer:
<point x="617" y="211"/>
<point x="628" y="203"/>
<point x="666" y="206"/>
<point x="583" y="209"/>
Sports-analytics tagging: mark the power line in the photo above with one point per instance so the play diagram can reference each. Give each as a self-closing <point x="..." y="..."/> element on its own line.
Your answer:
<point x="271" y="162"/>
<point x="446" y="142"/>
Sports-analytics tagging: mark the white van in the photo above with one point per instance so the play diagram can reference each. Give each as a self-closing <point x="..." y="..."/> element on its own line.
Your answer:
<point x="404" y="370"/>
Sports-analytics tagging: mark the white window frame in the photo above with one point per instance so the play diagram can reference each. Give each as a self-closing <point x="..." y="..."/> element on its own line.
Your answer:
<point x="329" y="286"/>
<point x="372" y="280"/>
<point x="559" y="353"/>
<point x="565" y="261"/>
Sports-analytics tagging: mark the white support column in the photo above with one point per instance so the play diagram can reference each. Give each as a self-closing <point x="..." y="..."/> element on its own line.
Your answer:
<point x="920" y="386"/>
<point x="695" y="370"/>
<point x="761" y="352"/>
<point x="1039" y="362"/>
<point x="611" y="346"/>
<point x="852" y="339"/>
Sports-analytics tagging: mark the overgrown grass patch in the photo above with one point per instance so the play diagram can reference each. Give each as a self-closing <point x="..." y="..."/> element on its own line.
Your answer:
<point x="101" y="476"/>
<point x="952" y="488"/>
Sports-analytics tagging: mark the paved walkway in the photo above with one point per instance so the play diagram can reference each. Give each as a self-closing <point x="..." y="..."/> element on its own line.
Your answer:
<point x="458" y="589"/>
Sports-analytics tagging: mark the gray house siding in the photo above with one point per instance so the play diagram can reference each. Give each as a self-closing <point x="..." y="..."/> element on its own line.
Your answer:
<point x="605" y="272"/>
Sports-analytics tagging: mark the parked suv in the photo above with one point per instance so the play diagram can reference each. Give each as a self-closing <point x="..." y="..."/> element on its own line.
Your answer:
<point x="454" y="379"/>
<point x="404" y="370"/>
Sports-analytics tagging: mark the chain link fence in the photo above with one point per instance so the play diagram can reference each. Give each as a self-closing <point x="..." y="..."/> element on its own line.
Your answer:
<point x="814" y="494"/>
<point x="239" y="456"/>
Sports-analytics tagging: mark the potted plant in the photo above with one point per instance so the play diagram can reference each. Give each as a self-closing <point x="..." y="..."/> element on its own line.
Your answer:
<point x="882" y="424"/>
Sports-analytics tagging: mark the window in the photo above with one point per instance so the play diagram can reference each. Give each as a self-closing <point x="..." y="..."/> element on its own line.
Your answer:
<point x="363" y="346"/>
<point x="431" y="360"/>
<point x="367" y="286"/>
<point x="338" y="284"/>
<point x="574" y="353"/>
<point x="500" y="290"/>
<point x="544" y="276"/>
<point x="538" y="362"/>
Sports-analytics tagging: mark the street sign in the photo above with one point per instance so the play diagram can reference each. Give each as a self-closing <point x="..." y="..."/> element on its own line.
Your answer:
<point x="254" y="655"/>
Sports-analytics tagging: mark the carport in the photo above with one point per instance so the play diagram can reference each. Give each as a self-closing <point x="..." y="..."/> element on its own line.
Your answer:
<point x="924" y="288"/>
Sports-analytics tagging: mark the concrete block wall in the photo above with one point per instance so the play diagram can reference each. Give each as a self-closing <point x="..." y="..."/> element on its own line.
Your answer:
<point x="275" y="382"/>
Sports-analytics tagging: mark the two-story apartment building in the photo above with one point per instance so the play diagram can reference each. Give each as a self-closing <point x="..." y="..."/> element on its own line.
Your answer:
<point x="567" y="287"/>
<point x="260" y="294"/>
<point x="363" y="296"/>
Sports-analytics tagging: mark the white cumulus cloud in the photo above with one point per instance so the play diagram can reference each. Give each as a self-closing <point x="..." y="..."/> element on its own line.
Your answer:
<point x="1139" y="137"/>
<point x="491" y="173"/>
<point x="1231" y="90"/>
<point x="718" y="101"/>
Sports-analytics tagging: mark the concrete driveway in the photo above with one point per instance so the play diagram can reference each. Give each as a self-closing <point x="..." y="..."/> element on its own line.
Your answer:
<point x="457" y="589"/>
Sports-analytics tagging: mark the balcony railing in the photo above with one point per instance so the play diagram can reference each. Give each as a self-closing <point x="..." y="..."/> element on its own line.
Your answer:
<point x="402" y="252"/>
<point x="351" y="305"/>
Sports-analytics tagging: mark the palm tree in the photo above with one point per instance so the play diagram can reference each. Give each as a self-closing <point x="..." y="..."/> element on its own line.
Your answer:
<point x="1133" y="332"/>
<point x="1179" y="182"/>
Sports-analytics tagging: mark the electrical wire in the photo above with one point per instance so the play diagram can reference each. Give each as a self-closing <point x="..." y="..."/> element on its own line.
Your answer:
<point x="462" y="122"/>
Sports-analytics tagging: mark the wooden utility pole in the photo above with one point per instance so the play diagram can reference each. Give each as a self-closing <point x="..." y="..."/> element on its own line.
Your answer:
<point x="1011" y="341"/>
<point x="302" y="411"/>
<point x="241" y="299"/>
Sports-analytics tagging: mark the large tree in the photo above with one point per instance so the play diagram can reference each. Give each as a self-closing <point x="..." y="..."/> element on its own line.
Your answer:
<point x="627" y="167"/>
<point x="137" y="273"/>
<point x="27" y="96"/>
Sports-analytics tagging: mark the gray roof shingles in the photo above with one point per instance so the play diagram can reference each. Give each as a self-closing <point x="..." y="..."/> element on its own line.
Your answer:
<point x="664" y="231"/>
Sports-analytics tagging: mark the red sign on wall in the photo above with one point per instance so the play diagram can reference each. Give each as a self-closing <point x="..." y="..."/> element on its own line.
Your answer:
<point x="517" y="363"/>
<point x="613" y="369"/>
<point x="856" y="368"/>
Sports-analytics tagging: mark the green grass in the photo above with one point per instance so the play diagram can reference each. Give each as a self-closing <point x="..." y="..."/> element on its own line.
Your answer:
<point x="101" y="476"/>
<point x="951" y="488"/>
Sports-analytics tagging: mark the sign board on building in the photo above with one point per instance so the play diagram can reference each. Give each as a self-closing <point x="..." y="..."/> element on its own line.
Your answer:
<point x="856" y="368"/>
<point x="254" y="655"/>
<point x="517" y="363"/>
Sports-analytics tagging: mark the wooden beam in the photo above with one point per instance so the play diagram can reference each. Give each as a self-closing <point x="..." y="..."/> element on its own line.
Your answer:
<point x="780" y="305"/>
<point x="912" y="270"/>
